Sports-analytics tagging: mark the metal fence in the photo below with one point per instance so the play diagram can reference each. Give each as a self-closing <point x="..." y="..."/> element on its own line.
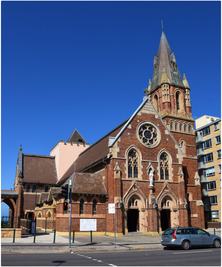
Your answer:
<point x="10" y="222"/>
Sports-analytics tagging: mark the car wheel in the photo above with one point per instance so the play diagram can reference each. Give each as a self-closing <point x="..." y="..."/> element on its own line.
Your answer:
<point x="216" y="243"/>
<point x="185" y="244"/>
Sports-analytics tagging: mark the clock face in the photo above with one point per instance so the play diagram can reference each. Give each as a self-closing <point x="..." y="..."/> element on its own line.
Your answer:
<point x="148" y="134"/>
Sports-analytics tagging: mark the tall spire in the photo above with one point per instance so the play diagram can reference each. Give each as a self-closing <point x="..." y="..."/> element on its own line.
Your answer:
<point x="165" y="60"/>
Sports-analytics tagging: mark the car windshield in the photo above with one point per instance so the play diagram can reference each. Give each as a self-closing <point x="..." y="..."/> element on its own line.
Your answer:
<point x="168" y="232"/>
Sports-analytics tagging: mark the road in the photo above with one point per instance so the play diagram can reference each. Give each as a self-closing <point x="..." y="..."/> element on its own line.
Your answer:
<point x="165" y="257"/>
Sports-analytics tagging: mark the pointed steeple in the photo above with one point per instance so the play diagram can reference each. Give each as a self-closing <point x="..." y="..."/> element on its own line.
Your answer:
<point x="166" y="60"/>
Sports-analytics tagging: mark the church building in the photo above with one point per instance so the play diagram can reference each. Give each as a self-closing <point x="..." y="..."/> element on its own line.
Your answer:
<point x="148" y="163"/>
<point x="147" y="166"/>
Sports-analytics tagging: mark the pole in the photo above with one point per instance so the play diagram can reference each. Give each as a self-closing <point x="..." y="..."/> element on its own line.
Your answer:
<point x="54" y="236"/>
<point x="115" y="225"/>
<point x="14" y="236"/>
<point x="91" y="236"/>
<point x="73" y="236"/>
<point x="70" y="205"/>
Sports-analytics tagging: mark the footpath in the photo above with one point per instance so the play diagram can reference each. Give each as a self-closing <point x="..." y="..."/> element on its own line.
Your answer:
<point x="44" y="243"/>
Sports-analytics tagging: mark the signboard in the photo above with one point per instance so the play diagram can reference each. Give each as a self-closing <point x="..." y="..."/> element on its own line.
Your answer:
<point x="111" y="207"/>
<point x="88" y="225"/>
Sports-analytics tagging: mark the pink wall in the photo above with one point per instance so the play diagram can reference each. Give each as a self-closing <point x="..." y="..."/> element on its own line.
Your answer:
<point x="65" y="154"/>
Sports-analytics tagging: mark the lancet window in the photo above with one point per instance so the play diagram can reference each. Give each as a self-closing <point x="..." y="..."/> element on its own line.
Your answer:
<point x="81" y="206"/>
<point x="133" y="159"/>
<point x="164" y="166"/>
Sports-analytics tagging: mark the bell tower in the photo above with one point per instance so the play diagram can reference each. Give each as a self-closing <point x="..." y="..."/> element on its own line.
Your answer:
<point x="169" y="93"/>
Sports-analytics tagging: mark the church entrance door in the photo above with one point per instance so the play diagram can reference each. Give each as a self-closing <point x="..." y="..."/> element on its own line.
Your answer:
<point x="133" y="220"/>
<point x="165" y="219"/>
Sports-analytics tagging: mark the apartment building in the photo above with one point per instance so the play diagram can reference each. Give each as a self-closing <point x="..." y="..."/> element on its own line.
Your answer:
<point x="208" y="141"/>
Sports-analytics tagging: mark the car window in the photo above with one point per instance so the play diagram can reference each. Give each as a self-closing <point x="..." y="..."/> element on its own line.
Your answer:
<point x="187" y="231"/>
<point x="168" y="232"/>
<point x="192" y="231"/>
<point x="201" y="232"/>
<point x="179" y="231"/>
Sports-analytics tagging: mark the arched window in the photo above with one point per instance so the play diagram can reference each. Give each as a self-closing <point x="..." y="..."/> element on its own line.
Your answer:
<point x="33" y="188"/>
<point x="164" y="166"/>
<point x="171" y="125"/>
<point x="133" y="164"/>
<point x="28" y="188"/>
<point x="185" y="127"/>
<point x="177" y="100"/>
<point x="180" y="127"/>
<point x="183" y="145"/>
<point x="40" y="215"/>
<point x="189" y="128"/>
<point x="81" y="206"/>
<point x="49" y="214"/>
<point x="156" y="102"/>
<point x="94" y="207"/>
<point x="46" y="189"/>
<point x="176" y="125"/>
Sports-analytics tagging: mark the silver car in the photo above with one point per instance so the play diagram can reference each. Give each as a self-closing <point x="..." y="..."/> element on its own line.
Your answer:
<point x="186" y="237"/>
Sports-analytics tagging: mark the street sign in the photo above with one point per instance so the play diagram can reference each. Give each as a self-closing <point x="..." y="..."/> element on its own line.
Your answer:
<point x="111" y="208"/>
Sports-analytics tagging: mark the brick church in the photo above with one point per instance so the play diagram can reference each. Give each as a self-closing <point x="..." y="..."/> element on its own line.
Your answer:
<point x="147" y="166"/>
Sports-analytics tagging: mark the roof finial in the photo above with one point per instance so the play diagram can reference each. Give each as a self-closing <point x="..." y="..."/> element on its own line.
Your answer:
<point x="162" y="25"/>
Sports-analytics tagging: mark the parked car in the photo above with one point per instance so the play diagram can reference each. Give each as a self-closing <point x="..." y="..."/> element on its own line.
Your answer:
<point x="186" y="237"/>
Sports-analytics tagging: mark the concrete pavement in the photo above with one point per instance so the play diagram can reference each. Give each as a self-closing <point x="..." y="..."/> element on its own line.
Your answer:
<point x="44" y="243"/>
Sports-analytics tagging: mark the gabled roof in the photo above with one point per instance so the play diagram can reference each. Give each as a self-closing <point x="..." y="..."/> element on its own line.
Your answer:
<point x="145" y="100"/>
<point x="165" y="61"/>
<point x="93" y="154"/>
<point x="76" y="137"/>
<point x="88" y="183"/>
<point x="39" y="169"/>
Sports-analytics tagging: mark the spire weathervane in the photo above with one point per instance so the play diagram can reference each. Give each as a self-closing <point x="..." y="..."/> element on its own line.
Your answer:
<point x="162" y="25"/>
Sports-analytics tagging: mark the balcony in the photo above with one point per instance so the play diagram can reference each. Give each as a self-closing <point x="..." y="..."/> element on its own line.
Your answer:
<point x="201" y="165"/>
<point x="199" y="139"/>
<point x="204" y="193"/>
<point x="203" y="178"/>
<point x="200" y="152"/>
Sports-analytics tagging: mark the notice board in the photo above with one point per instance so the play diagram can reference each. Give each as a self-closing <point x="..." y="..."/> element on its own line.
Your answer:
<point x="88" y="224"/>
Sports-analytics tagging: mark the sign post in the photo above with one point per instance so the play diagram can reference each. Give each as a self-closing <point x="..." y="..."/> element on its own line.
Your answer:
<point x="111" y="210"/>
<point x="70" y="205"/>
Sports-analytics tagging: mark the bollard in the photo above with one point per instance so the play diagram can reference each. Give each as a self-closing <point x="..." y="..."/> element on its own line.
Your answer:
<point x="214" y="231"/>
<point x="54" y="236"/>
<point x="14" y="236"/>
<point x="73" y="236"/>
<point x="91" y="236"/>
<point x="34" y="235"/>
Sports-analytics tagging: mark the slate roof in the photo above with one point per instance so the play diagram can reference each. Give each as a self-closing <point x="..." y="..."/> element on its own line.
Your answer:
<point x="163" y="61"/>
<point x="11" y="193"/>
<point x="88" y="183"/>
<point x="39" y="169"/>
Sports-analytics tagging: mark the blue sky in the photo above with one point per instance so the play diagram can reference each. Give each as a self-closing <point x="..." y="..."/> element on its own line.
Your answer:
<point x="84" y="65"/>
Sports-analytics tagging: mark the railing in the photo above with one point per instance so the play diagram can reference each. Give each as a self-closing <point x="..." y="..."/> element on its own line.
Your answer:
<point x="200" y="152"/>
<point x="201" y="165"/>
<point x="203" y="178"/>
<point x="204" y="192"/>
<point x="10" y="222"/>
<point x="199" y="139"/>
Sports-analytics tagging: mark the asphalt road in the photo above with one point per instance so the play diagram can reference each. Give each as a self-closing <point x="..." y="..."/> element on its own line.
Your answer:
<point x="165" y="257"/>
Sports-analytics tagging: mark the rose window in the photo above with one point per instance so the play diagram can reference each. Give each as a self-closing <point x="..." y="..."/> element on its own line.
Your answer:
<point x="148" y="135"/>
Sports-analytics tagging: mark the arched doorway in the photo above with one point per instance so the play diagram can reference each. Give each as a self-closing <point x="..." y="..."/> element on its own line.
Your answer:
<point x="135" y="215"/>
<point x="168" y="213"/>
<point x="165" y="219"/>
<point x="133" y="220"/>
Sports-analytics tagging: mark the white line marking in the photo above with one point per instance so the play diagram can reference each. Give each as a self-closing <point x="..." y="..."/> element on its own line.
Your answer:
<point x="99" y="261"/>
<point x="193" y="252"/>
